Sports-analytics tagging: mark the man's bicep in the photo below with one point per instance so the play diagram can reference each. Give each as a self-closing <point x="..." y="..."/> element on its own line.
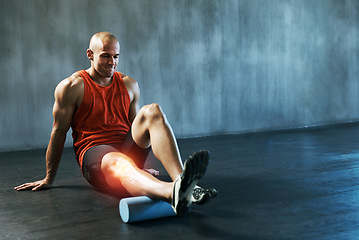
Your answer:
<point x="64" y="107"/>
<point x="134" y="108"/>
<point x="62" y="117"/>
<point x="135" y="103"/>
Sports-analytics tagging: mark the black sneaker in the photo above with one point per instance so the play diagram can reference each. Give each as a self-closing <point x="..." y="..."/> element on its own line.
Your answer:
<point x="194" y="169"/>
<point x="203" y="195"/>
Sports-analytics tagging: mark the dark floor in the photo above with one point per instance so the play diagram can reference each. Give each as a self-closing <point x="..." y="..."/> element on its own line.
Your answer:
<point x="300" y="184"/>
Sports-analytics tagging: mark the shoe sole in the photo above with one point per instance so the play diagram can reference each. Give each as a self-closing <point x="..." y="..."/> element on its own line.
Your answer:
<point x="194" y="169"/>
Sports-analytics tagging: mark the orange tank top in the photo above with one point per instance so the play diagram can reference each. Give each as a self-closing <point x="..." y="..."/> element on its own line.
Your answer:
<point x="102" y="117"/>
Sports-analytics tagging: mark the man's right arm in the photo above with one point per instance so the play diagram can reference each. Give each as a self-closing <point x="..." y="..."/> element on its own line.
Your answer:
<point x="66" y="98"/>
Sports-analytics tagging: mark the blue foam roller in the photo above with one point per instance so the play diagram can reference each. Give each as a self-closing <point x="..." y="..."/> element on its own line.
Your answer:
<point x="135" y="209"/>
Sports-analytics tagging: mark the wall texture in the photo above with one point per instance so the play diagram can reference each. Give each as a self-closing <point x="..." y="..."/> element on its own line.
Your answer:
<point x="215" y="66"/>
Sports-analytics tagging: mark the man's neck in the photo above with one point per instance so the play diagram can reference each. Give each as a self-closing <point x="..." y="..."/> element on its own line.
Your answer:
<point x="97" y="78"/>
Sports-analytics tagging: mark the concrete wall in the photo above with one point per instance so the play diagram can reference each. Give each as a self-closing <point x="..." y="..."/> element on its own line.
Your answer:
<point x="215" y="66"/>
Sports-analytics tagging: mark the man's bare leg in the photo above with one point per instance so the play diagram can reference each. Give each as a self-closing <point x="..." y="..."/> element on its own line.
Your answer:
<point x="119" y="170"/>
<point x="150" y="127"/>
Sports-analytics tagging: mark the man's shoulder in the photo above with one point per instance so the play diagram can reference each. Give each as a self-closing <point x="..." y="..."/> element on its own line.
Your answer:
<point x="75" y="79"/>
<point x="122" y="74"/>
<point x="127" y="79"/>
<point x="71" y="83"/>
<point x="131" y="86"/>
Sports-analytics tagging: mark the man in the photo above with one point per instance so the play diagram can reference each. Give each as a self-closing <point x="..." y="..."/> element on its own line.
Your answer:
<point x="112" y="135"/>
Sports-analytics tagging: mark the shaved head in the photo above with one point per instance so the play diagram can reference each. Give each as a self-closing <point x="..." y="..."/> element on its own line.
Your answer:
<point x="99" y="39"/>
<point x="103" y="52"/>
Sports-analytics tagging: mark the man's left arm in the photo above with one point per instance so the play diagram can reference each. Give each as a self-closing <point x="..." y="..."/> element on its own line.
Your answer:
<point x="134" y="92"/>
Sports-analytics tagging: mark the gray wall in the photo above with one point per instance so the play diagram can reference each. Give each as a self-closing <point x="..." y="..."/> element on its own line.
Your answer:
<point x="215" y="66"/>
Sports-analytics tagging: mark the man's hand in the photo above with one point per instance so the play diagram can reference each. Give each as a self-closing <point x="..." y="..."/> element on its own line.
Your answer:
<point x="152" y="171"/>
<point x="34" y="186"/>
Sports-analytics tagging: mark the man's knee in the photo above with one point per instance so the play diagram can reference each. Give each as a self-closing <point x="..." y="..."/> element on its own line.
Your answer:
<point x="153" y="112"/>
<point x="113" y="160"/>
<point x="115" y="166"/>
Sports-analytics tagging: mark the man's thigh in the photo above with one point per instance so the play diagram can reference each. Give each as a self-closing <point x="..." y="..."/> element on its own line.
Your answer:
<point x="130" y="148"/>
<point x="91" y="165"/>
<point x="139" y="129"/>
<point x="146" y="119"/>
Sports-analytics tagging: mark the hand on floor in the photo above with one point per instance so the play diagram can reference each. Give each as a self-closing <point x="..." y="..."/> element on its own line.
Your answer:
<point x="34" y="186"/>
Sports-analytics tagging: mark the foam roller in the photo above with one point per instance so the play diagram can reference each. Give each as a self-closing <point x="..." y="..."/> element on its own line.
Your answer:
<point x="135" y="209"/>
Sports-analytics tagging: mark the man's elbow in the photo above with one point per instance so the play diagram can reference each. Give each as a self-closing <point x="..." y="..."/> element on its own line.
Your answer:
<point x="59" y="131"/>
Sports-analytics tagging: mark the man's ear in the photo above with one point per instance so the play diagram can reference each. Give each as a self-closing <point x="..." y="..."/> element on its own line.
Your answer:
<point x="89" y="54"/>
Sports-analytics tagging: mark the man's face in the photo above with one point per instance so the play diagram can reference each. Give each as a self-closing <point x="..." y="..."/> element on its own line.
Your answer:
<point x="105" y="58"/>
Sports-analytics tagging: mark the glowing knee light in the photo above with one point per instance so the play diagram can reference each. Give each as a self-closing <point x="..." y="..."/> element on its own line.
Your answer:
<point x="121" y="168"/>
